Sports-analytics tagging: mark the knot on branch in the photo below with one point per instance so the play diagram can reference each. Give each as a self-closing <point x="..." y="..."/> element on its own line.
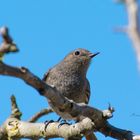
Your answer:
<point x="23" y="69"/>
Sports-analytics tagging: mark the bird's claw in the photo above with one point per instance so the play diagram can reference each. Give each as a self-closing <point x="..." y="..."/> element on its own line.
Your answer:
<point x="63" y="122"/>
<point x="47" y="123"/>
<point x="51" y="121"/>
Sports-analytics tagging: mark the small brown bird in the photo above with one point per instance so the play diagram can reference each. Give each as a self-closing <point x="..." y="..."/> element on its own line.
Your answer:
<point x="69" y="78"/>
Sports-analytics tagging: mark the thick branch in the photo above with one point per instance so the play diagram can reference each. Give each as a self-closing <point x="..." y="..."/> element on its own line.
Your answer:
<point x="20" y="129"/>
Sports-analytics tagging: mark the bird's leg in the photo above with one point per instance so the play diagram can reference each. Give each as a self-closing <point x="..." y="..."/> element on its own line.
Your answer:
<point x="47" y="123"/>
<point x="51" y="121"/>
<point x="59" y="119"/>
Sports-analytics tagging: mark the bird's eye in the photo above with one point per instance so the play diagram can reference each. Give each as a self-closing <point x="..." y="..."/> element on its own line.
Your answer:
<point x="77" y="52"/>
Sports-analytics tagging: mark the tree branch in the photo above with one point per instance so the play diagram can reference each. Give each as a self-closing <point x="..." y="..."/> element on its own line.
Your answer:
<point x="19" y="129"/>
<point x="15" y="110"/>
<point x="68" y="107"/>
<point x="133" y="29"/>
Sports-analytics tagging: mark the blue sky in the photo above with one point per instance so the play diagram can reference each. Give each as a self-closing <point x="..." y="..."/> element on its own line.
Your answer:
<point x="47" y="30"/>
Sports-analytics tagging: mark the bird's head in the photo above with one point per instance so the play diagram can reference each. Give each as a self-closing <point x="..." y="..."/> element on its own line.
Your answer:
<point x="81" y="58"/>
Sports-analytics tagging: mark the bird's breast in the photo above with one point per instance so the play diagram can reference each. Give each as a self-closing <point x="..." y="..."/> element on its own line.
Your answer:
<point x="70" y="85"/>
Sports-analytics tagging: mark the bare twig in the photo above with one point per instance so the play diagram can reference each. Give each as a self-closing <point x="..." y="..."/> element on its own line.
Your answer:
<point x="7" y="45"/>
<point x="15" y="110"/>
<point x="40" y="114"/>
<point x="4" y="31"/>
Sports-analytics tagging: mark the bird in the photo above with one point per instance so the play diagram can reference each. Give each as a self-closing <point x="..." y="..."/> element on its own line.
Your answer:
<point x="69" y="77"/>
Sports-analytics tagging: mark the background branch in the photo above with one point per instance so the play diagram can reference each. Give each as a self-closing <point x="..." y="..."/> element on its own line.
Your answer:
<point x="133" y="29"/>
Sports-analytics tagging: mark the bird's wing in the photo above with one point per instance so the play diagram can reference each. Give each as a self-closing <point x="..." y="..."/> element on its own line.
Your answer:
<point x="87" y="92"/>
<point x="46" y="75"/>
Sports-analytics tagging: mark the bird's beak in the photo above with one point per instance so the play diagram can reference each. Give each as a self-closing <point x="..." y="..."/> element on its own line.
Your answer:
<point x="91" y="55"/>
